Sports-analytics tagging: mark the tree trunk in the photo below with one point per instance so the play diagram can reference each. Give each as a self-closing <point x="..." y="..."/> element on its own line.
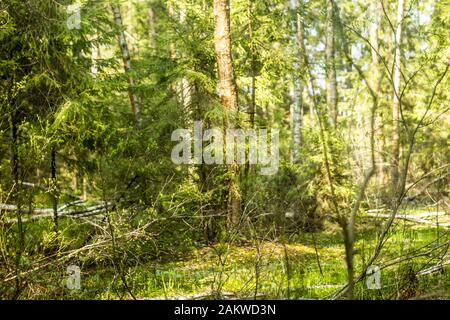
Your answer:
<point x="332" y="99"/>
<point x="297" y="107"/>
<point x="222" y="40"/>
<point x="253" y="64"/>
<point x="228" y="97"/>
<point x="127" y="63"/>
<point x="94" y="58"/>
<point x="185" y="88"/>
<point x="182" y="87"/>
<point x="396" y="100"/>
<point x="253" y="73"/>
<point x="14" y="154"/>
<point x="152" y="26"/>
<point x="54" y="189"/>
<point x="374" y="25"/>
<point x="85" y="187"/>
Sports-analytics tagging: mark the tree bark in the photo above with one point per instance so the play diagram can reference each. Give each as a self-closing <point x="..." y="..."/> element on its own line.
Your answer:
<point x="222" y="40"/>
<point x="54" y="189"/>
<point x="228" y="97"/>
<point x="84" y="187"/>
<point x="330" y="51"/>
<point x="253" y="64"/>
<point x="14" y="155"/>
<point x="374" y="25"/>
<point x="253" y="73"/>
<point x="182" y="87"/>
<point x="127" y="63"/>
<point x="14" y="163"/>
<point x="297" y="107"/>
<point x="396" y="100"/>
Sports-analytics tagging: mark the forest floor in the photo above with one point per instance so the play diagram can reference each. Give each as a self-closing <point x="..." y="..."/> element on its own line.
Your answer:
<point x="303" y="266"/>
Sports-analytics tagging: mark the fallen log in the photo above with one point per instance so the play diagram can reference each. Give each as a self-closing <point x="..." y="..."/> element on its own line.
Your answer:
<point x="381" y="212"/>
<point x="418" y="218"/>
<point x="200" y="296"/>
<point x="13" y="208"/>
<point x="48" y="213"/>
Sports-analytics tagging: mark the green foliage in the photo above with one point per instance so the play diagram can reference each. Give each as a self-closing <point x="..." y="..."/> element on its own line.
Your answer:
<point x="162" y="228"/>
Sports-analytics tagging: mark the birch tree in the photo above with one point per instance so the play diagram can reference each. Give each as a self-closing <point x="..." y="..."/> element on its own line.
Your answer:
<point x="330" y="52"/>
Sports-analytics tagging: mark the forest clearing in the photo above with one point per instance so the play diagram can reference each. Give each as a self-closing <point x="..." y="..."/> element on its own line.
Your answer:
<point x="224" y="150"/>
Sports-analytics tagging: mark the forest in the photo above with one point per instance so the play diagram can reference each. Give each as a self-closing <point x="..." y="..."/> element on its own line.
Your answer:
<point x="224" y="149"/>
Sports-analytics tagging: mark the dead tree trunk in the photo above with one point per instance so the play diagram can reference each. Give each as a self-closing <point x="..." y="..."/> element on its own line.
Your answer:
<point x="14" y="163"/>
<point x="126" y="63"/>
<point x="54" y="191"/>
<point x="14" y="155"/>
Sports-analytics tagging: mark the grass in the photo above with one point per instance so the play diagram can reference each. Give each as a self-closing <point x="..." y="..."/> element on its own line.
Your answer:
<point x="285" y="271"/>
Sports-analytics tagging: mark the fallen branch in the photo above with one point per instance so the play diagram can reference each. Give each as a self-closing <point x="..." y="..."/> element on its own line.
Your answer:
<point x="132" y="235"/>
<point x="433" y="269"/>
